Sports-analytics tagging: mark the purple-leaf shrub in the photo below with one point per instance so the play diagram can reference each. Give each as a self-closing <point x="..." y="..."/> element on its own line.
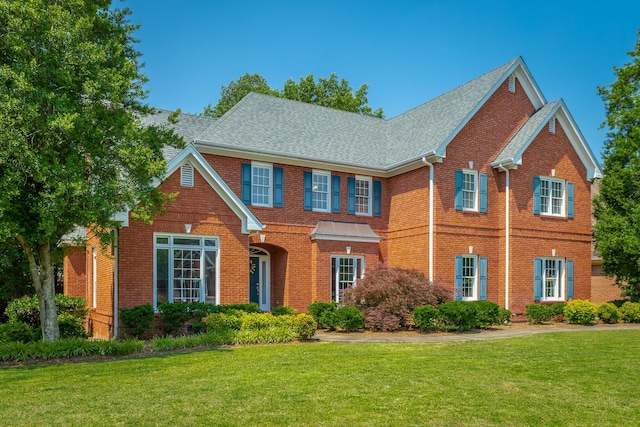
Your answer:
<point x="387" y="297"/>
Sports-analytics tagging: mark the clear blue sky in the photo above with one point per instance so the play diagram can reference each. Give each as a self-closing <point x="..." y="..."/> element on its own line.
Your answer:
<point x="407" y="51"/>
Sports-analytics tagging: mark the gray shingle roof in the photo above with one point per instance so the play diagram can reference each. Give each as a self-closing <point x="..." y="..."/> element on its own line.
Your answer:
<point x="281" y="127"/>
<point x="514" y="148"/>
<point x="189" y="127"/>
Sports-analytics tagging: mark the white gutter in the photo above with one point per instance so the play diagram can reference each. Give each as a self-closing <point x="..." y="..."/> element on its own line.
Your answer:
<point x="506" y="260"/>
<point x="115" y="283"/>
<point x="431" y="214"/>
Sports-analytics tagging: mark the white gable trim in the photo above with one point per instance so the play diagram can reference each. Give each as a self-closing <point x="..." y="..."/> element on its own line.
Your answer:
<point x="564" y="118"/>
<point x="190" y="154"/>
<point x="520" y="70"/>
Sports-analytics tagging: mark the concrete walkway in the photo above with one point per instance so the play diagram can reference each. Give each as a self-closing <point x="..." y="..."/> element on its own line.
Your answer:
<point x="490" y="334"/>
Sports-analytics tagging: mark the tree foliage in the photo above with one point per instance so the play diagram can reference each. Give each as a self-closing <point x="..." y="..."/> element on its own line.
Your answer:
<point x="617" y="207"/>
<point x="332" y="92"/>
<point x="72" y="150"/>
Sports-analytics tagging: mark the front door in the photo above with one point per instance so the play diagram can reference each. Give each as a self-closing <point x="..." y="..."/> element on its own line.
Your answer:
<point x="259" y="288"/>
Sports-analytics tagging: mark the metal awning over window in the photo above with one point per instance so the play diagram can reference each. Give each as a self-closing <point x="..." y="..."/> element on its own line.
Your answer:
<point x="347" y="231"/>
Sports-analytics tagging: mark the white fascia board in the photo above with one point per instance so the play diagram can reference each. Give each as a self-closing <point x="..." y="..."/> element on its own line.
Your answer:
<point x="250" y="224"/>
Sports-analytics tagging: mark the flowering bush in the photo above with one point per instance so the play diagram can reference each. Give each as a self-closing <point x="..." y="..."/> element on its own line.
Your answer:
<point x="387" y="297"/>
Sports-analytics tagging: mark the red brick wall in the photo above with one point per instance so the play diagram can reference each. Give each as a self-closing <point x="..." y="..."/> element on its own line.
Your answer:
<point x="603" y="288"/>
<point x="75" y="275"/>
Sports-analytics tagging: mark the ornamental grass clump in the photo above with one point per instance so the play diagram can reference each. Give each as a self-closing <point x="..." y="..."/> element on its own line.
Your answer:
<point x="387" y="297"/>
<point x="580" y="312"/>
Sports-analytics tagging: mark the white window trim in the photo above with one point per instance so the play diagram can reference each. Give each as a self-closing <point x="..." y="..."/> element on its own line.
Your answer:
<point x="476" y="192"/>
<point x="563" y="206"/>
<point x="335" y="280"/>
<point x="170" y="246"/>
<point x="269" y="166"/>
<point x="94" y="277"/>
<point x="475" y="289"/>
<point x="328" y="175"/>
<point x="561" y="279"/>
<point x="370" y="201"/>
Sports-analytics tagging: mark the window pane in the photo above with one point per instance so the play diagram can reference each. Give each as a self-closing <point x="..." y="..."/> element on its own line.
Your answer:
<point x="162" y="240"/>
<point x="551" y="279"/>
<point x="186" y="275"/>
<point x="468" y="277"/>
<point x="544" y="196"/>
<point x="162" y="275"/>
<point x="362" y="196"/>
<point x="469" y="191"/>
<point x="320" y="187"/>
<point x="210" y="275"/>
<point x="186" y="241"/>
<point x="260" y="185"/>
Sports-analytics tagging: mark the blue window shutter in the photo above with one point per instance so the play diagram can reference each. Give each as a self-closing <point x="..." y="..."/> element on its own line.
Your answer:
<point x="569" y="279"/>
<point x="483" y="192"/>
<point x="536" y="195"/>
<point x="246" y="183"/>
<point x="457" y="294"/>
<point x="335" y="193"/>
<point x="537" y="279"/>
<point x="377" y="198"/>
<point x="569" y="199"/>
<point x="351" y="195"/>
<point x="483" y="277"/>
<point x="308" y="194"/>
<point x="278" y="187"/>
<point x="458" y="198"/>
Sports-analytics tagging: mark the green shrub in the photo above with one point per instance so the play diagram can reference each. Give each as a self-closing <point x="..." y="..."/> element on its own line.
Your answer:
<point x="487" y="313"/>
<point x="557" y="311"/>
<point x="426" y="318"/>
<point x="305" y="326"/>
<point x="71" y="326"/>
<point x="630" y="312"/>
<point x="504" y="316"/>
<point x="609" y="313"/>
<point x="13" y="331"/>
<point x="537" y="313"/>
<point x="349" y="318"/>
<point x="282" y="310"/>
<point x="580" y="312"/>
<point x="318" y="308"/>
<point x="230" y="321"/>
<point x="173" y="316"/>
<point x="457" y="316"/>
<point x="27" y="308"/>
<point x="137" y="320"/>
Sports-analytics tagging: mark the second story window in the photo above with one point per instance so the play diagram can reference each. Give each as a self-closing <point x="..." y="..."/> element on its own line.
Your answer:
<point x="261" y="184"/>
<point x="552" y="196"/>
<point x="471" y="191"/>
<point x="363" y="195"/>
<point x="321" y="189"/>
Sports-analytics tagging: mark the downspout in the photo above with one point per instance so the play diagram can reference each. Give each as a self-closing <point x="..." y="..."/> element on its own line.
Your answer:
<point x="431" y="214"/>
<point x="115" y="283"/>
<point x="506" y="235"/>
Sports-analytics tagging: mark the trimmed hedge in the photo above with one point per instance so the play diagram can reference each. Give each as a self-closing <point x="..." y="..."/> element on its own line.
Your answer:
<point x="580" y="312"/>
<point x="538" y="313"/>
<point x="137" y="320"/>
<point x="318" y="308"/>
<point x="426" y="318"/>
<point x="609" y="313"/>
<point x="347" y="318"/>
<point x="630" y="312"/>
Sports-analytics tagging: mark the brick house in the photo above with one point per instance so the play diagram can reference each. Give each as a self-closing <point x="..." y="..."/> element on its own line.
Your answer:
<point x="485" y="188"/>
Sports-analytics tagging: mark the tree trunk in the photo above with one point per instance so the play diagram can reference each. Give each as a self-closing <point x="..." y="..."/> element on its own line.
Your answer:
<point x="43" y="282"/>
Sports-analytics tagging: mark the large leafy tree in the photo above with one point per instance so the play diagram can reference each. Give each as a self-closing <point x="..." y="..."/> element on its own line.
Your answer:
<point x="332" y="92"/>
<point x="617" y="207"/>
<point x="72" y="151"/>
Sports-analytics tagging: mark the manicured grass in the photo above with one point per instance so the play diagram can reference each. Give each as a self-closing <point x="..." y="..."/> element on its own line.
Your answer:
<point x="576" y="379"/>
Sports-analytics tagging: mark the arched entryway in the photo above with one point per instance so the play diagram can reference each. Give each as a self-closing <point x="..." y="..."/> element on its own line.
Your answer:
<point x="259" y="278"/>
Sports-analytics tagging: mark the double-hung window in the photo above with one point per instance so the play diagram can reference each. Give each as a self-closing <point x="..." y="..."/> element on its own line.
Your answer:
<point x="553" y="279"/>
<point x="186" y="268"/>
<point x="553" y="197"/>
<point x="321" y="190"/>
<point x="363" y="195"/>
<point x="262" y="184"/>
<point x="470" y="278"/>
<point x="471" y="191"/>
<point x="345" y="272"/>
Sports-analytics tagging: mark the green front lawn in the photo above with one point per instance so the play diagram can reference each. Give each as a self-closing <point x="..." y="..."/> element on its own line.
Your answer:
<point x="581" y="378"/>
